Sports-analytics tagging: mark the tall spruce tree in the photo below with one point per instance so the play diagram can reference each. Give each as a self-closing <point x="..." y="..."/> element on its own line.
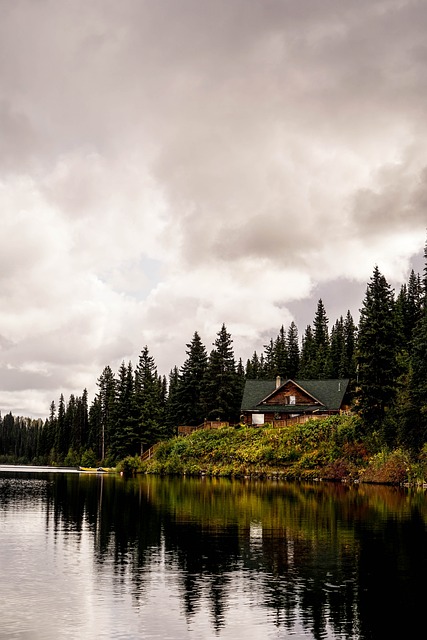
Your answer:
<point x="172" y="418"/>
<point x="377" y="351"/>
<point x="124" y="440"/>
<point x="107" y="404"/>
<point x="350" y="341"/>
<point x="415" y="418"/>
<point x="253" y="367"/>
<point x="269" y="361"/>
<point x="321" y="341"/>
<point x="280" y="355"/>
<point x="222" y="393"/>
<point x="191" y="406"/>
<point x="293" y="350"/>
<point x="418" y="385"/>
<point x="149" y="404"/>
<point x="61" y="437"/>
<point x="308" y="362"/>
<point x="338" y="350"/>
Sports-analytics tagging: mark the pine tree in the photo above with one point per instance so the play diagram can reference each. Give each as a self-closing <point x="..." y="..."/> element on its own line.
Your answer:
<point x="350" y="340"/>
<point x="338" y="350"/>
<point x="148" y="401"/>
<point x="268" y="370"/>
<point x="222" y="391"/>
<point x="191" y="407"/>
<point x="172" y="403"/>
<point x="409" y="309"/>
<point x="94" y="446"/>
<point x="253" y="369"/>
<point x="321" y="341"/>
<point x="123" y="438"/>
<point x="280" y="357"/>
<point x="107" y="399"/>
<point x="61" y="436"/>
<point x="293" y="350"/>
<point x="414" y="434"/>
<point x="308" y="364"/>
<point x="377" y="351"/>
<point x="83" y="412"/>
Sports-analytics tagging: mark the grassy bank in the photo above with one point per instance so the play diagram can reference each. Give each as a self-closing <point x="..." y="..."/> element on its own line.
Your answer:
<point x="329" y="449"/>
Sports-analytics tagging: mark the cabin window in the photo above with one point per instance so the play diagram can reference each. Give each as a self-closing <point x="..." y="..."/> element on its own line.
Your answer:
<point x="257" y="418"/>
<point x="292" y="400"/>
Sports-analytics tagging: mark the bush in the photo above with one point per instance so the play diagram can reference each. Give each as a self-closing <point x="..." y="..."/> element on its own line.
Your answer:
<point x="130" y="466"/>
<point x="387" y="468"/>
<point x="88" y="458"/>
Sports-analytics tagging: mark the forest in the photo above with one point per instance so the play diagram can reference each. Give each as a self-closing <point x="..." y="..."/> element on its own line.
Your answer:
<point x="384" y="356"/>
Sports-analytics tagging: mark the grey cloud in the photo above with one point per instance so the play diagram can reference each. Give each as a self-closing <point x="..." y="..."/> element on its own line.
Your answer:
<point x="232" y="141"/>
<point x="397" y="203"/>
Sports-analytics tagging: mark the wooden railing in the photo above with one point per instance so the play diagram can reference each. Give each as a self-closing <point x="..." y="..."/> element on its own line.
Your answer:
<point x="147" y="455"/>
<point x="185" y="430"/>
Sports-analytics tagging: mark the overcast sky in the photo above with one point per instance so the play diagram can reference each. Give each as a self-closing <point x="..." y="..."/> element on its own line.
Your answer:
<point x="170" y="165"/>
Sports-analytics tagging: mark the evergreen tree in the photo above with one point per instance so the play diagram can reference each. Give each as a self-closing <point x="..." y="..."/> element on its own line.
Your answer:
<point x="61" y="436"/>
<point x="191" y="406"/>
<point x="321" y="341"/>
<point x="377" y="351"/>
<point x="222" y="391"/>
<point x="49" y="434"/>
<point x="268" y="370"/>
<point x="350" y="339"/>
<point x="293" y="350"/>
<point x="163" y="431"/>
<point x="408" y="309"/>
<point x="94" y="442"/>
<point x="280" y="355"/>
<point x="414" y="433"/>
<point x="83" y="418"/>
<point x="71" y="422"/>
<point x="148" y="401"/>
<point x="123" y="437"/>
<point x="308" y="364"/>
<point x="172" y="404"/>
<point x="254" y="368"/>
<point x="107" y="399"/>
<point x="338" y="350"/>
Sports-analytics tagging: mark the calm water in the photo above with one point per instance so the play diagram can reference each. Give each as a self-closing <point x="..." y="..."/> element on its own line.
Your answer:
<point x="100" y="556"/>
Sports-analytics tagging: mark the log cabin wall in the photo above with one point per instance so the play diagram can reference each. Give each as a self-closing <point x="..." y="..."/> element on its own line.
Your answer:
<point x="282" y="396"/>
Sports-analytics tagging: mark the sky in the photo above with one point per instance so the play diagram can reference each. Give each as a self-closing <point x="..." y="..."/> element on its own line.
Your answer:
<point x="167" y="166"/>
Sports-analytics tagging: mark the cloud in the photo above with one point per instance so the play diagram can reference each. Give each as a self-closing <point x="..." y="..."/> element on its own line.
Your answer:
<point x="167" y="167"/>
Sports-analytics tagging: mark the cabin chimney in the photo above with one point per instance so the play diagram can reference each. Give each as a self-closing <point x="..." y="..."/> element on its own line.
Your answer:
<point x="278" y="382"/>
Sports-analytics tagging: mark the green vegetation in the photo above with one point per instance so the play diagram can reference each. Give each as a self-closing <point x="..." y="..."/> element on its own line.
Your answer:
<point x="329" y="449"/>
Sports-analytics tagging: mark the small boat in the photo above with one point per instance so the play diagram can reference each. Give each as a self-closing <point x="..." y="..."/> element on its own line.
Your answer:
<point x="97" y="469"/>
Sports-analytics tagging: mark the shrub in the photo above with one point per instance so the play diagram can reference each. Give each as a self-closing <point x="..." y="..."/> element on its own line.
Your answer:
<point x="387" y="468"/>
<point x="88" y="458"/>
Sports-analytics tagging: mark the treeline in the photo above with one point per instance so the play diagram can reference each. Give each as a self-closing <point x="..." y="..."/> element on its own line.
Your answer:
<point x="385" y="358"/>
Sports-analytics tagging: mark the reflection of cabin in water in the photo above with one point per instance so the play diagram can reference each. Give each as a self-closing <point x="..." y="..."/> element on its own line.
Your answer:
<point x="281" y="403"/>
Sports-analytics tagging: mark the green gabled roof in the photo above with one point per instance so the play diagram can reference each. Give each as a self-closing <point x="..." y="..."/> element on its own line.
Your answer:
<point x="329" y="393"/>
<point x="254" y="392"/>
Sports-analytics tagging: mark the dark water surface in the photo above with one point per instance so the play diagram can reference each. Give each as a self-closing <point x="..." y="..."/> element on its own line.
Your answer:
<point x="99" y="556"/>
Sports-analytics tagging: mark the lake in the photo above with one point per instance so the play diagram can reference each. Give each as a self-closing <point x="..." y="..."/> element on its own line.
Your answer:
<point x="98" y="555"/>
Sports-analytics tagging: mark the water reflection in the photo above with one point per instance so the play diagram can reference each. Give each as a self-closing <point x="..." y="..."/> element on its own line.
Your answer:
<point x="227" y="559"/>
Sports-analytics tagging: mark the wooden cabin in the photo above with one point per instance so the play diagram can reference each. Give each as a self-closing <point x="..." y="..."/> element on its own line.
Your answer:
<point x="281" y="403"/>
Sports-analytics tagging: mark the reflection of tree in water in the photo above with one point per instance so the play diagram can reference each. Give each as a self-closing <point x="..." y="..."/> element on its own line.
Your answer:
<point x="206" y="557"/>
<point x="317" y="555"/>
